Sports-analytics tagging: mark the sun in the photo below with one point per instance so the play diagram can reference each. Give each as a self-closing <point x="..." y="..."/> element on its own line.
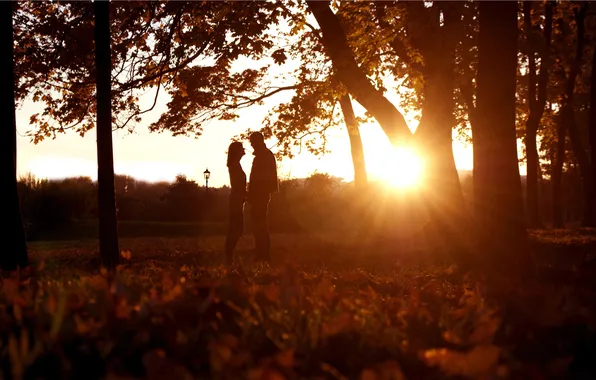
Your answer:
<point x="405" y="169"/>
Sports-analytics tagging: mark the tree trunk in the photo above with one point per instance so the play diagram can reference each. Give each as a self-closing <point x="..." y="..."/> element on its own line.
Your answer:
<point x="592" y="127"/>
<point x="434" y="138"/>
<point x="580" y="153"/>
<point x="536" y="105"/>
<point x="497" y="185"/>
<point x="360" y="177"/>
<point x="108" y="227"/>
<point x="15" y="255"/>
<point x="584" y="171"/>
<point x="349" y="73"/>
<point x="567" y="120"/>
<point x="531" y="126"/>
<point x="534" y="218"/>
<point x="556" y="177"/>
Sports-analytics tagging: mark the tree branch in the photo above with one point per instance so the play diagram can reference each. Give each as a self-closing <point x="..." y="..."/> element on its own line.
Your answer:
<point x="353" y="77"/>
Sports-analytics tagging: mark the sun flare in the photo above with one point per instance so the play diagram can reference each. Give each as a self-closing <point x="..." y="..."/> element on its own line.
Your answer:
<point x="405" y="169"/>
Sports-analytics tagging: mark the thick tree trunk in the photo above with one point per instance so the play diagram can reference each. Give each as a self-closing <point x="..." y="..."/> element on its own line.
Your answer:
<point x="350" y="74"/>
<point x="584" y="169"/>
<point x="434" y="138"/>
<point x="14" y="256"/>
<point x="108" y="227"/>
<point x="577" y="145"/>
<point x="360" y="177"/>
<point x="592" y="127"/>
<point x="497" y="185"/>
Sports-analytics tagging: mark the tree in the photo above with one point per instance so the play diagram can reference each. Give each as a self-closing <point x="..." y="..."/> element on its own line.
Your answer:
<point x="152" y="43"/>
<point x="356" y="148"/>
<point x="497" y="186"/>
<point x="566" y="122"/>
<point x="108" y="225"/>
<point x="435" y="42"/>
<point x="536" y="100"/>
<point x="350" y="74"/>
<point x="577" y="142"/>
<point x="183" y="198"/>
<point x="15" y="256"/>
<point x="592" y="125"/>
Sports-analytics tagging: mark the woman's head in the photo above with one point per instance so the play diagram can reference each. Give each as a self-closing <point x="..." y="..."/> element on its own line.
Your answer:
<point x="235" y="152"/>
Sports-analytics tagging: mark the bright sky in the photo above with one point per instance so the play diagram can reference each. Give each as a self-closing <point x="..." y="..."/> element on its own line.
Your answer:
<point x="160" y="156"/>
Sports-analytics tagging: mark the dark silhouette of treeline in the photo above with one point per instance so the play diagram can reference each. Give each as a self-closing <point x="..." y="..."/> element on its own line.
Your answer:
<point x="67" y="208"/>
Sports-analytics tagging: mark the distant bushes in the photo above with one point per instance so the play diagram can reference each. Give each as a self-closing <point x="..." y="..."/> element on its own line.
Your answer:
<point x="67" y="208"/>
<point x="50" y="204"/>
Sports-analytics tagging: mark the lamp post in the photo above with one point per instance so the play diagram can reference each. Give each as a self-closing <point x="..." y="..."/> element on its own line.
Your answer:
<point x="206" y="174"/>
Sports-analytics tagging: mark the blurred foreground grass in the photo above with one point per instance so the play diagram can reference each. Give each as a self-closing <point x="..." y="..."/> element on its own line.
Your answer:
<point x="328" y="307"/>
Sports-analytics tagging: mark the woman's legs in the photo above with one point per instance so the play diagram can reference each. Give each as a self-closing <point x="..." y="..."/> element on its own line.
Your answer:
<point x="235" y="227"/>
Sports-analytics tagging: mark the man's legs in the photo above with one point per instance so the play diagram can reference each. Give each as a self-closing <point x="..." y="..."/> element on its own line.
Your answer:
<point x="259" y="208"/>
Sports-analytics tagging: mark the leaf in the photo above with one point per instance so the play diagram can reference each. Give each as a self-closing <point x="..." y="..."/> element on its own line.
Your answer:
<point x="125" y="254"/>
<point x="390" y="370"/>
<point x="336" y="324"/>
<point x="58" y="316"/>
<point x="122" y="309"/>
<point x="285" y="358"/>
<point x="324" y="289"/>
<point x="265" y="374"/>
<point x="10" y="288"/>
<point x="279" y="56"/>
<point x="172" y="293"/>
<point x="219" y="355"/>
<point x="271" y="292"/>
<point x="368" y="374"/>
<point x="96" y="282"/>
<point x="152" y="360"/>
<point x="85" y="326"/>
<point x="472" y="364"/>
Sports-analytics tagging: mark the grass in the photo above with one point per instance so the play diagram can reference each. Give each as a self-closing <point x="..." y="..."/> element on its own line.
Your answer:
<point x="328" y="307"/>
<point x="88" y="229"/>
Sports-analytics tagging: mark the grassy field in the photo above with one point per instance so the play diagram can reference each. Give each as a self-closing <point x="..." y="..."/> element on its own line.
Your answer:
<point x="328" y="307"/>
<point x="88" y="229"/>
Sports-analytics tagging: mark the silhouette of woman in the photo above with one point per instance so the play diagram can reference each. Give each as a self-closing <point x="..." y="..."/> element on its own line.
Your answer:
<point x="237" y="198"/>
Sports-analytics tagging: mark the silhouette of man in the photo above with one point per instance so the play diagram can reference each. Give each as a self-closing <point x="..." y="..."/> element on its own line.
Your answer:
<point x="262" y="183"/>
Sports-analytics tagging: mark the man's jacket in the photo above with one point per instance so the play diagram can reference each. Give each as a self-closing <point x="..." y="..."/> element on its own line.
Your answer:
<point x="263" y="175"/>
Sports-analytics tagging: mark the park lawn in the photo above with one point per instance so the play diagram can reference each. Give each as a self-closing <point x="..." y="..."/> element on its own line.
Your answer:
<point x="88" y="229"/>
<point x="327" y="308"/>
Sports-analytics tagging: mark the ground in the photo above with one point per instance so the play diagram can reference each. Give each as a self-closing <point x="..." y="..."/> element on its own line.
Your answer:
<point x="328" y="307"/>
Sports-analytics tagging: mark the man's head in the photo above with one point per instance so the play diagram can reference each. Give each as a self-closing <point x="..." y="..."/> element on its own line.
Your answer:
<point x="256" y="140"/>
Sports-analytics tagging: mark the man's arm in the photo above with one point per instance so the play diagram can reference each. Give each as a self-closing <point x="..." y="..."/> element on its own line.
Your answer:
<point x="272" y="174"/>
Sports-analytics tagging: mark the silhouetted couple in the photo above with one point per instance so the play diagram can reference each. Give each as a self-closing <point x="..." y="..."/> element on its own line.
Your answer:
<point x="262" y="183"/>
